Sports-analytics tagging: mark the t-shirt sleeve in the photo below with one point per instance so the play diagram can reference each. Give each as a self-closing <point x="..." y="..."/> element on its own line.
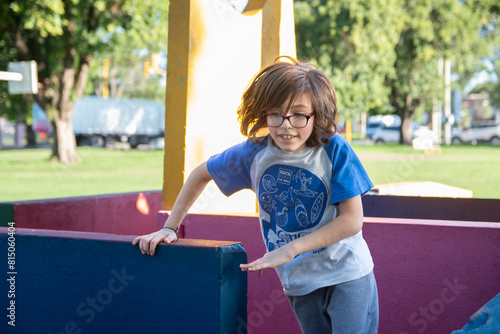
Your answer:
<point x="349" y="177"/>
<point x="230" y="169"/>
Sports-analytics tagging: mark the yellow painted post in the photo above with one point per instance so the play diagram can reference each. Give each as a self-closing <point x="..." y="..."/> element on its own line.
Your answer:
<point x="176" y="101"/>
<point x="254" y="6"/>
<point x="105" y="76"/>
<point x="271" y="18"/>
<point x="348" y="130"/>
<point x="278" y="30"/>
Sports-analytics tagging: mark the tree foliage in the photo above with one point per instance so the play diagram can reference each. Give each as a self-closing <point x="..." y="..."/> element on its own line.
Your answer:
<point x="352" y="42"/>
<point x="384" y="54"/>
<point x="491" y="87"/>
<point x="131" y="50"/>
<point x="64" y="37"/>
<point x="433" y="30"/>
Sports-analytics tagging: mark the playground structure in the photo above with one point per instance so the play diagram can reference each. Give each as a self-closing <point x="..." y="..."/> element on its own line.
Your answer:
<point x="436" y="260"/>
<point x="422" y="248"/>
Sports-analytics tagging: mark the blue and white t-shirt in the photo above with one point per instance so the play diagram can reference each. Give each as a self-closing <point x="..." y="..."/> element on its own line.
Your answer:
<point x="299" y="192"/>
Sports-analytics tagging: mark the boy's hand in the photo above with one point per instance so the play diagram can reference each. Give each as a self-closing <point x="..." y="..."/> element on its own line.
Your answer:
<point x="147" y="243"/>
<point x="270" y="260"/>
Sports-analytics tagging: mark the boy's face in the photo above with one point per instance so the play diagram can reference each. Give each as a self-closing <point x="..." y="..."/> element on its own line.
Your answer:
<point x="288" y="138"/>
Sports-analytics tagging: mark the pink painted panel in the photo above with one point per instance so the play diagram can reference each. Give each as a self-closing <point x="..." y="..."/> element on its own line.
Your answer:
<point x="125" y="214"/>
<point x="432" y="275"/>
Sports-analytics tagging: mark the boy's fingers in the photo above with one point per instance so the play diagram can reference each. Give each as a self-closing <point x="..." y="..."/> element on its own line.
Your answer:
<point x="153" y="243"/>
<point x="158" y="239"/>
<point x="140" y="247"/>
<point x="139" y="239"/>
<point x="253" y="266"/>
<point x="143" y="246"/>
<point x="248" y="267"/>
<point x="147" y="243"/>
<point x="169" y="239"/>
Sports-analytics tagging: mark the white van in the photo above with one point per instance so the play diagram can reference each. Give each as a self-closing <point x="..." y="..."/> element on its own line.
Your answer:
<point x="372" y="124"/>
<point x="381" y="121"/>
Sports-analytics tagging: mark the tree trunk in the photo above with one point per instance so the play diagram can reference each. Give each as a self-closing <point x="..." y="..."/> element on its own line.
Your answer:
<point x="406" y="133"/>
<point x="406" y="113"/>
<point x="64" y="148"/>
<point x="30" y="136"/>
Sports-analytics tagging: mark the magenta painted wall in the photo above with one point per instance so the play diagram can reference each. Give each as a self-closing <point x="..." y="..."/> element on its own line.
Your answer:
<point x="432" y="275"/>
<point x="115" y="213"/>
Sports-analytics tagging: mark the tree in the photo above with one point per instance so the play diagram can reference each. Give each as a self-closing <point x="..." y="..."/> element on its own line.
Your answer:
<point x="131" y="50"/>
<point x="492" y="86"/>
<point x="339" y="36"/>
<point x="128" y="78"/>
<point x="454" y="30"/>
<point x="16" y="108"/>
<point x="383" y="54"/>
<point x="64" y="36"/>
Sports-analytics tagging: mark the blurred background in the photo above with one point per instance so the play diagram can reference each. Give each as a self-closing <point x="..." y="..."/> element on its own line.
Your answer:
<point x="417" y="84"/>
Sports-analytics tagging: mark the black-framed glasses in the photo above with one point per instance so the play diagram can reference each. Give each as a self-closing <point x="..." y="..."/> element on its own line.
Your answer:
<point x="296" y="121"/>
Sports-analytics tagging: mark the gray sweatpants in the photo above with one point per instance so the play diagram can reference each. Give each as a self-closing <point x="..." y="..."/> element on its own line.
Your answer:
<point x="350" y="307"/>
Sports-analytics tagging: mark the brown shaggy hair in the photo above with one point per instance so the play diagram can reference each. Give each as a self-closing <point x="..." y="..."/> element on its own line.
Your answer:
<point x="274" y="84"/>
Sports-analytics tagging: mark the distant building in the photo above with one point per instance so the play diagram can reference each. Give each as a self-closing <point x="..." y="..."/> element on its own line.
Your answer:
<point x="479" y="108"/>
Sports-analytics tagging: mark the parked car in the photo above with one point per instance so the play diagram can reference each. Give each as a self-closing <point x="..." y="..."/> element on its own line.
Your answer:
<point x="480" y="132"/>
<point x="386" y="134"/>
<point x="375" y="122"/>
<point x="391" y="134"/>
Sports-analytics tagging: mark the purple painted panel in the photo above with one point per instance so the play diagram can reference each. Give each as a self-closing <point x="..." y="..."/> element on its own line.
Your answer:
<point x="432" y="275"/>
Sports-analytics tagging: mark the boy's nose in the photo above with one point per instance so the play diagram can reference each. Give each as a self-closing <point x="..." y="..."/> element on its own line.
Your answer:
<point x="286" y="123"/>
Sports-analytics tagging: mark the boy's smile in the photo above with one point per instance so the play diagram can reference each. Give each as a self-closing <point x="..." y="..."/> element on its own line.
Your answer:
<point x="286" y="137"/>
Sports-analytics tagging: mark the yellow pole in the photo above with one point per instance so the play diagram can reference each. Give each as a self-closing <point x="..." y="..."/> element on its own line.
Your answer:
<point x="348" y="130"/>
<point x="278" y="31"/>
<point x="176" y="101"/>
<point x="105" y="76"/>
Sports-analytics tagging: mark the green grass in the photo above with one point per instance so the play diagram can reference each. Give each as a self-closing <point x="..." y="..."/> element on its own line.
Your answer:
<point x="30" y="174"/>
<point x="471" y="167"/>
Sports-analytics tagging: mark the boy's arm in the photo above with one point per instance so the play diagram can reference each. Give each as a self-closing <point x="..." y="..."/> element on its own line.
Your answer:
<point x="346" y="224"/>
<point x="191" y="190"/>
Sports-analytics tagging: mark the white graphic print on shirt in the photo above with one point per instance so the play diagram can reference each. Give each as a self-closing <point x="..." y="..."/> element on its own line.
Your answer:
<point x="295" y="200"/>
